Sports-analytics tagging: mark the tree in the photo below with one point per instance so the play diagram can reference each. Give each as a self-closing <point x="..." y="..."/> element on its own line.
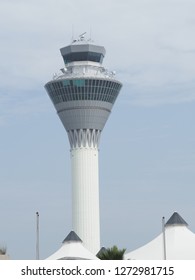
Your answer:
<point x="112" y="253"/>
<point x="3" y="251"/>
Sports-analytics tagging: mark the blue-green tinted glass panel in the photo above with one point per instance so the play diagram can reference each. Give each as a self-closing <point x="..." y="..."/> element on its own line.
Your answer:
<point x="66" y="82"/>
<point x="79" y="83"/>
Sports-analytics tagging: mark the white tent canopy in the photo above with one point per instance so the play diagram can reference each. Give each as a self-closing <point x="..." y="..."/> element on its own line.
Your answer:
<point x="179" y="243"/>
<point x="72" y="249"/>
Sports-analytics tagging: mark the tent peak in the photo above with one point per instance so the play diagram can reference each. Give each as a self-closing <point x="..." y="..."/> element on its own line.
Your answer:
<point x="176" y="219"/>
<point x="72" y="236"/>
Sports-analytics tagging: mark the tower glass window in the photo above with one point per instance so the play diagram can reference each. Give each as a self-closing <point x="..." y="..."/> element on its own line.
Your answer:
<point x="83" y="56"/>
<point x="81" y="89"/>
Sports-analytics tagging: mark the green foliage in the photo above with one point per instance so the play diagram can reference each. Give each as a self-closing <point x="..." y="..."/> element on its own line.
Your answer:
<point x="3" y="251"/>
<point x="111" y="254"/>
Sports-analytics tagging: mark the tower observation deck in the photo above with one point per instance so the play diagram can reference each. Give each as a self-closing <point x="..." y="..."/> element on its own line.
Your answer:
<point x="83" y="95"/>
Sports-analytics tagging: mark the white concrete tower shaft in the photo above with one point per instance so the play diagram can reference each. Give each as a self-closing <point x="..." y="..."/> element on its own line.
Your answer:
<point x="85" y="186"/>
<point x="85" y="196"/>
<point x="83" y="95"/>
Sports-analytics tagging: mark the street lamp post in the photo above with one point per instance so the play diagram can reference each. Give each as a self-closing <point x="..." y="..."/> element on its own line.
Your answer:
<point x="37" y="235"/>
<point x="164" y="239"/>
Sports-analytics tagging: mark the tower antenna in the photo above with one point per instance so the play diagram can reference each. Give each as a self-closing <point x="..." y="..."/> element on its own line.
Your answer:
<point x="72" y="32"/>
<point x="90" y="34"/>
<point x="81" y="36"/>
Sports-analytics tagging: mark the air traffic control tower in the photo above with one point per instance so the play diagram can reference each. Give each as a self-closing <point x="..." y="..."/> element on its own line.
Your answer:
<point x="83" y="95"/>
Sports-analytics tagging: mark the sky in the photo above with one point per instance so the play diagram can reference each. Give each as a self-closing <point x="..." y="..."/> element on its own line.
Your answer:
<point x="147" y="149"/>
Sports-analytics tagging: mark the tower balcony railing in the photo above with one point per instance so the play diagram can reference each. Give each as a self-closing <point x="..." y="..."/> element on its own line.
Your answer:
<point x="88" y="72"/>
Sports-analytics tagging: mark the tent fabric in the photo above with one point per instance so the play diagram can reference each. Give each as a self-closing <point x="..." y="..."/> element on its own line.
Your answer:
<point x="72" y="249"/>
<point x="179" y="243"/>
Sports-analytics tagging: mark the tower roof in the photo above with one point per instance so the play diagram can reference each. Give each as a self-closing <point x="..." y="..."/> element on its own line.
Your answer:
<point x="83" y="51"/>
<point x="72" y="236"/>
<point x="176" y="219"/>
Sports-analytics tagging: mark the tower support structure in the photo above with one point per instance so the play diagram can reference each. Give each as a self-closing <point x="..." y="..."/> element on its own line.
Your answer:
<point x="83" y="95"/>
